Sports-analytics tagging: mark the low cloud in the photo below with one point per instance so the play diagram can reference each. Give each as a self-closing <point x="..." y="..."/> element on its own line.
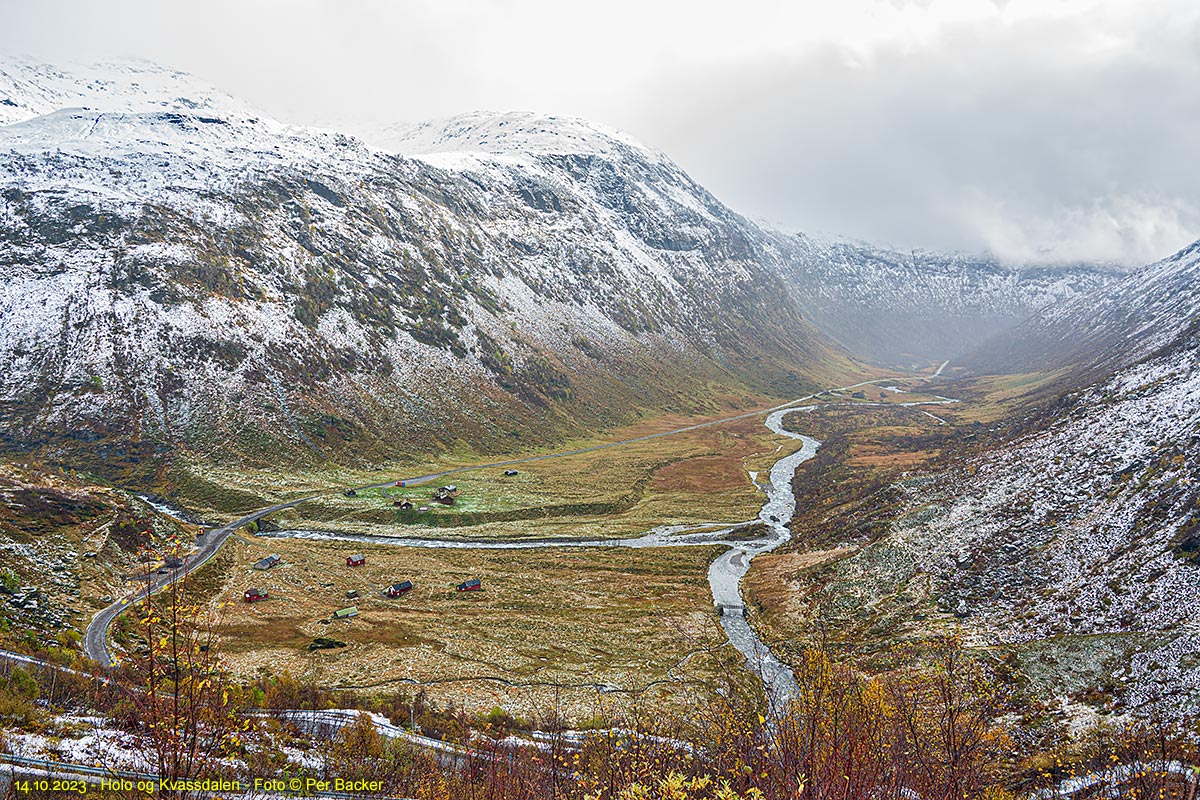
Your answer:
<point x="1041" y="131"/>
<point x="1056" y="140"/>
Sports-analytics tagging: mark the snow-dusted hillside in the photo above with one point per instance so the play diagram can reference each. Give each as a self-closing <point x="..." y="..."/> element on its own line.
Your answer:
<point x="1077" y="544"/>
<point x="31" y="89"/>
<point x="913" y="308"/>
<point x="1109" y="328"/>
<point x="182" y="270"/>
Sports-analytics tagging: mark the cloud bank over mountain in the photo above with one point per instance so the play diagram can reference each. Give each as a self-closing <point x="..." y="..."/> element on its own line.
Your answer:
<point x="1037" y="132"/>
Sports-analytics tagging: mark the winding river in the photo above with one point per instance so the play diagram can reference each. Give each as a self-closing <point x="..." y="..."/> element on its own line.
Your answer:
<point x="724" y="574"/>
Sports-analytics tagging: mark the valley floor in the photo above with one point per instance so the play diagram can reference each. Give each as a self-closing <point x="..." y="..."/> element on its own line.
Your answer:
<point x="572" y="623"/>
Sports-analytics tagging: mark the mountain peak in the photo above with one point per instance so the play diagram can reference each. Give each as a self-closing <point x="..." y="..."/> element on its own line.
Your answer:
<point x="510" y="133"/>
<point x="30" y="88"/>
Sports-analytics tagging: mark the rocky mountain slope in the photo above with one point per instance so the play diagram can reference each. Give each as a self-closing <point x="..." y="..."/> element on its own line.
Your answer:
<point x="67" y="546"/>
<point x="1131" y="319"/>
<point x="1076" y="545"/>
<point x="184" y="273"/>
<point x="913" y="308"/>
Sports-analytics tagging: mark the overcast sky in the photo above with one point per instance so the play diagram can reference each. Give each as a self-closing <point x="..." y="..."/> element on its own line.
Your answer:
<point x="1039" y="130"/>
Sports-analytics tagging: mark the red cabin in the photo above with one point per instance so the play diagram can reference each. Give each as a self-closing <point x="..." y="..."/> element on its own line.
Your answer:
<point x="397" y="589"/>
<point x="356" y="560"/>
<point x="472" y="585"/>
<point x="254" y="595"/>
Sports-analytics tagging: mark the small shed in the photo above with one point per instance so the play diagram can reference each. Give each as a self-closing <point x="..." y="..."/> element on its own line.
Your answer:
<point x="397" y="589"/>
<point x="352" y="594"/>
<point x="254" y="595"/>
<point x="356" y="560"/>
<point x="346" y="613"/>
<point x="268" y="562"/>
<point x="472" y="585"/>
<point x="859" y="395"/>
<point x="403" y="505"/>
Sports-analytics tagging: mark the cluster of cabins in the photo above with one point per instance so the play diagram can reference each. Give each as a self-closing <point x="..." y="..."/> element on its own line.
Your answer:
<point x="254" y="594"/>
<point x="445" y="495"/>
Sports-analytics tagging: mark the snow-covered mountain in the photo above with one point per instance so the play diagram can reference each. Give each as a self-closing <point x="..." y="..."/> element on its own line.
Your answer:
<point x="917" y="307"/>
<point x="183" y="271"/>
<point x="1077" y="545"/>
<point x="31" y="89"/>
<point x="510" y="134"/>
<point x="1125" y="322"/>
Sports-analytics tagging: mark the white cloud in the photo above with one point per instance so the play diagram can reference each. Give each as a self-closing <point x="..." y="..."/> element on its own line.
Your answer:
<point x="1027" y="126"/>
<point x="1141" y="230"/>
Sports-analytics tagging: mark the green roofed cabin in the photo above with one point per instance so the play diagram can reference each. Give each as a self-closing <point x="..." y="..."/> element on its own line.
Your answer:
<point x="346" y="613"/>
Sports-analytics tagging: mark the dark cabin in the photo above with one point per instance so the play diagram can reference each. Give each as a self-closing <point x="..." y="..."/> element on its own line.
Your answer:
<point x="859" y="395"/>
<point x="356" y="560"/>
<point x="254" y="595"/>
<point x="397" y="589"/>
<point x="403" y="505"/>
<point x="443" y="496"/>
<point x="268" y="562"/>
<point x="472" y="585"/>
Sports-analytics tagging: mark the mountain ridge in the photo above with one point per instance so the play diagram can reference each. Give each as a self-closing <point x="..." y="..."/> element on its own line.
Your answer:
<point x="1073" y="546"/>
<point x="911" y="308"/>
<point x="186" y="275"/>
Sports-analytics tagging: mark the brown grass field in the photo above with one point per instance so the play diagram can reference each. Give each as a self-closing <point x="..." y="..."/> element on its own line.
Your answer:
<point x="574" y="617"/>
<point x="577" y="618"/>
<point x="639" y="620"/>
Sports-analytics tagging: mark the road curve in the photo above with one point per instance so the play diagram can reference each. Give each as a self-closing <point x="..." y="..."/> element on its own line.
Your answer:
<point x="95" y="637"/>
